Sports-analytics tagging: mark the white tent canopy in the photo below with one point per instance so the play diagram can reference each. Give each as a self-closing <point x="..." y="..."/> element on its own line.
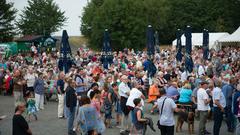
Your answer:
<point x="197" y="39"/>
<point x="234" y="37"/>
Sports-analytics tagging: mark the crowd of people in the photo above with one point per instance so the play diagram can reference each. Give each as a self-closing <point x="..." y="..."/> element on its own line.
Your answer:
<point x="89" y="95"/>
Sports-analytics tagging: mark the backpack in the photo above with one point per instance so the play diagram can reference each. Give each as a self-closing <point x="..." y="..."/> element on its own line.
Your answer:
<point x="78" y="76"/>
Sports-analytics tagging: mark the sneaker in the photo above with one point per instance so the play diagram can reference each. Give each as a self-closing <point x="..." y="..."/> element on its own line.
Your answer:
<point x="206" y="132"/>
<point x="122" y="132"/>
<point x="61" y="117"/>
<point x="72" y="133"/>
<point x="231" y="130"/>
<point x="127" y="131"/>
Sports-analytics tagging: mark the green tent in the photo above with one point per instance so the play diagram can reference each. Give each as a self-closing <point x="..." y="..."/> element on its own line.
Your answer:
<point x="8" y="49"/>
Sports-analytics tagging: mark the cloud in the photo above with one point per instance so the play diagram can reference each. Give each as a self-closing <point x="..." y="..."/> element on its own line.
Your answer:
<point x="73" y="10"/>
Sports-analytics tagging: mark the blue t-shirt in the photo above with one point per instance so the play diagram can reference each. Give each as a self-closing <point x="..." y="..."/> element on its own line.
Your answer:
<point x="185" y="95"/>
<point x="60" y="83"/>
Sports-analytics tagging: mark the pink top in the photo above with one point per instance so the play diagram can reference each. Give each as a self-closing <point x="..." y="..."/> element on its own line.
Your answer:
<point x="96" y="104"/>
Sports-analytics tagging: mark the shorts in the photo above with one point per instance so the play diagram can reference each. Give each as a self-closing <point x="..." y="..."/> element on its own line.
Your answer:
<point x="30" y="89"/>
<point x="118" y="108"/>
<point x="108" y="111"/>
<point x="124" y="107"/>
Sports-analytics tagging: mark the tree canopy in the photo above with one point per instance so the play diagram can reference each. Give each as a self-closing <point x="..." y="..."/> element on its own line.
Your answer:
<point x="41" y="17"/>
<point x="127" y="20"/>
<point x="7" y="16"/>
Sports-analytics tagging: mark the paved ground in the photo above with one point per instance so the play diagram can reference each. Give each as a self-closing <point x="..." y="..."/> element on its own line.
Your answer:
<point x="49" y="124"/>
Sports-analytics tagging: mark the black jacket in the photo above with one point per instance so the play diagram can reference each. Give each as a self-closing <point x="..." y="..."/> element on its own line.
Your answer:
<point x="71" y="98"/>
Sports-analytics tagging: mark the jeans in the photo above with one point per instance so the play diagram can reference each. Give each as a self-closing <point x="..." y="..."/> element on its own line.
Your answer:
<point x="167" y="130"/>
<point x="230" y="117"/>
<point x="71" y="116"/>
<point x="218" y="117"/>
<point x="65" y="110"/>
<point x="202" y="121"/>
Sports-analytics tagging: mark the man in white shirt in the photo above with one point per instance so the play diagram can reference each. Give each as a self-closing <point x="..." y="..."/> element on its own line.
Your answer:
<point x="203" y="106"/>
<point x="135" y="93"/>
<point x="166" y="107"/>
<point x="219" y="103"/>
<point x="124" y="92"/>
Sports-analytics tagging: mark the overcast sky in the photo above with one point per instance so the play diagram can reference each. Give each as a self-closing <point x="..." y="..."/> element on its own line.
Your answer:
<point x="73" y="9"/>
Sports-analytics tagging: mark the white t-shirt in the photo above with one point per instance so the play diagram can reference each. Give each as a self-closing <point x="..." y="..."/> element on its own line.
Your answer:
<point x="139" y="64"/>
<point x="201" y="70"/>
<point x="30" y="78"/>
<point x="123" y="89"/>
<point x="201" y="96"/>
<point x="167" y="117"/>
<point x="134" y="93"/>
<point x="218" y="95"/>
<point x="184" y="76"/>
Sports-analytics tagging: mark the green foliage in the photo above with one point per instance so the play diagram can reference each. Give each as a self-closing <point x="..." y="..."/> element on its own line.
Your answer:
<point x="127" y="20"/>
<point x="7" y="16"/>
<point x="41" y="17"/>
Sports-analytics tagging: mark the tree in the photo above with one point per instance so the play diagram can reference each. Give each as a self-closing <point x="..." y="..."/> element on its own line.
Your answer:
<point x="127" y="20"/>
<point x="7" y="16"/>
<point x="41" y="17"/>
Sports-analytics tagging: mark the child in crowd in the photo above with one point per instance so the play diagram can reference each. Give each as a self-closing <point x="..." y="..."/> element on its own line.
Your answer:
<point x="31" y="107"/>
<point x="138" y="119"/>
<point x="95" y="100"/>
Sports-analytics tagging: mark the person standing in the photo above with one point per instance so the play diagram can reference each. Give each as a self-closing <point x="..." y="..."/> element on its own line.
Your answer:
<point x="60" y="88"/>
<point x="124" y="92"/>
<point x="114" y="99"/>
<point x="71" y="103"/>
<point x="88" y="118"/>
<point x="30" y="79"/>
<point x="19" y="124"/>
<point x="8" y="83"/>
<point x="18" y="83"/>
<point x="219" y="103"/>
<point x="203" y="107"/>
<point x="153" y="92"/>
<point x="166" y="107"/>
<point x="80" y="84"/>
<point x="228" y="90"/>
<point x="138" y="118"/>
<point x="39" y="91"/>
<point x="236" y="103"/>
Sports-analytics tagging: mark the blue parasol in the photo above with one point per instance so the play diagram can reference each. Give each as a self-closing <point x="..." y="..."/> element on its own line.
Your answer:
<point x="107" y="57"/>
<point x="205" y="44"/>
<point x="150" y="41"/>
<point x="188" y="47"/>
<point x="106" y="42"/>
<point x="156" y="37"/>
<point x="65" y="61"/>
<point x="179" y="46"/>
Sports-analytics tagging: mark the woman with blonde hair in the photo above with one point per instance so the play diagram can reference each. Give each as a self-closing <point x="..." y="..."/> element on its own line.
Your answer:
<point x="185" y="94"/>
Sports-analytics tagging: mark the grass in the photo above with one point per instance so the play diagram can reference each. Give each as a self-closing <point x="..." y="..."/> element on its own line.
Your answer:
<point x="80" y="41"/>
